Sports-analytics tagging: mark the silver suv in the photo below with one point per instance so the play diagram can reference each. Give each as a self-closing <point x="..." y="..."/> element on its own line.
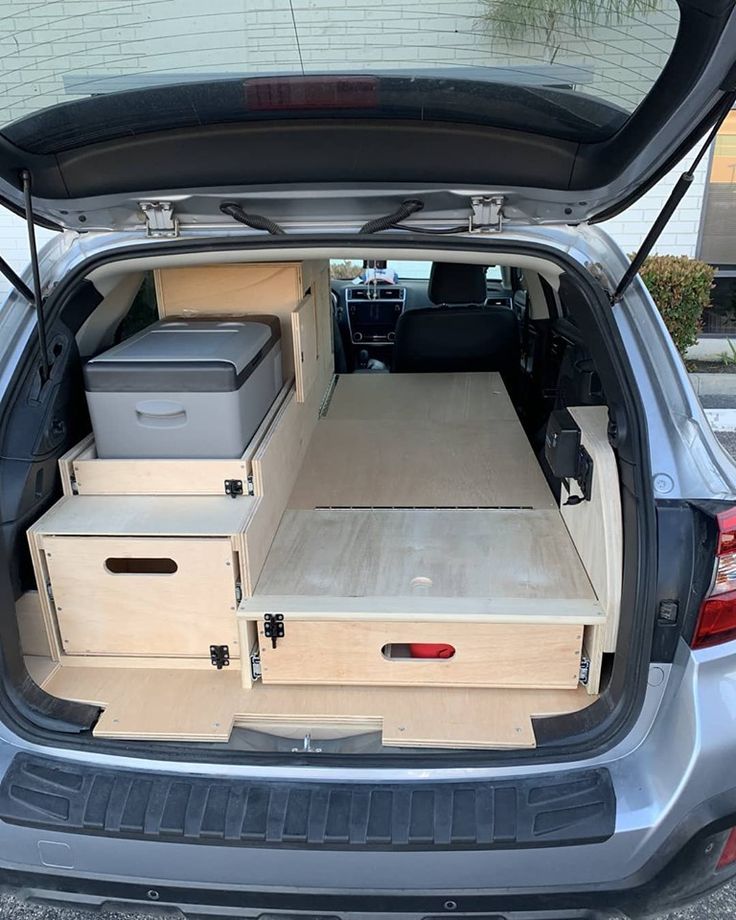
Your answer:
<point x="456" y="203"/>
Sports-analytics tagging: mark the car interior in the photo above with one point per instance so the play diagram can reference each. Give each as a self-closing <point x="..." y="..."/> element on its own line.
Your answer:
<point x="357" y="506"/>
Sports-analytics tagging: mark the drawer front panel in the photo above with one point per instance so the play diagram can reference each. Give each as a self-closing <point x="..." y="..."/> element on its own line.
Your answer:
<point x="482" y="655"/>
<point x="136" y="596"/>
<point x="157" y="477"/>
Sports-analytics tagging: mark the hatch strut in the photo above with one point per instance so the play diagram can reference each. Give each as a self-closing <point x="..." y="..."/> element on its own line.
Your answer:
<point x="676" y="196"/>
<point x="36" y="297"/>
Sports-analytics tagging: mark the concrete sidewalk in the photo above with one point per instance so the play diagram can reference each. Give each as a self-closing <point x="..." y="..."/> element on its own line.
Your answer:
<point x="717" y="394"/>
<point x="713" y="386"/>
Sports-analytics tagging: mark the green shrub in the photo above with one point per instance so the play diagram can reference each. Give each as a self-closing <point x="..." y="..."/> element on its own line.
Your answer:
<point x="681" y="290"/>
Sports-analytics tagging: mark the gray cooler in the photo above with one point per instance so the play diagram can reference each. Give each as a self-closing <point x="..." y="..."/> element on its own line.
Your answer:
<point x="185" y="388"/>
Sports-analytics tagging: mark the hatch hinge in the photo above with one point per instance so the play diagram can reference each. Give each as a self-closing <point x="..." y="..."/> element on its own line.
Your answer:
<point x="238" y="592"/>
<point x="50" y="592"/>
<point x="220" y="656"/>
<point x="255" y="666"/>
<point x="250" y="487"/>
<point x="487" y="216"/>
<point x="274" y="627"/>
<point x="584" y="670"/>
<point x="160" y="219"/>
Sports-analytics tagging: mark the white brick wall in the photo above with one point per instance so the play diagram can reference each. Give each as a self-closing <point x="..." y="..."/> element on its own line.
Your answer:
<point x="41" y="41"/>
<point x="680" y="236"/>
<point x="14" y="245"/>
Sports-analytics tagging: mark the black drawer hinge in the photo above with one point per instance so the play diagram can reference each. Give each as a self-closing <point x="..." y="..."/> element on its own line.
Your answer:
<point x="233" y="487"/>
<point x="220" y="656"/>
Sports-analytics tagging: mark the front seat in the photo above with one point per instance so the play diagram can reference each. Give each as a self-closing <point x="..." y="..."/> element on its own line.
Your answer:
<point x="460" y="333"/>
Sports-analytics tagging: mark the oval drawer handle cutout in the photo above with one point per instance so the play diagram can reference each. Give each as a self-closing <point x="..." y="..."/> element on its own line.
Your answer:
<point x="426" y="650"/>
<point x="130" y="565"/>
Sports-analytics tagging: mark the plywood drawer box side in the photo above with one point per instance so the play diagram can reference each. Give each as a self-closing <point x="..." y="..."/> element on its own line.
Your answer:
<point x="375" y="652"/>
<point x="158" y="597"/>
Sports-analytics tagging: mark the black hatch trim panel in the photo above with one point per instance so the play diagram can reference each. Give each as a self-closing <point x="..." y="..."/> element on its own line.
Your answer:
<point x="567" y="808"/>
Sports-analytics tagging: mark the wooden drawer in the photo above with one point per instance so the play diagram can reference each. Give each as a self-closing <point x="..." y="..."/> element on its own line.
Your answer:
<point x="376" y="652"/>
<point x="163" y="596"/>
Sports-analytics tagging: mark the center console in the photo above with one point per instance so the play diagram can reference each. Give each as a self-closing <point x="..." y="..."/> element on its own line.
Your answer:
<point x="373" y="311"/>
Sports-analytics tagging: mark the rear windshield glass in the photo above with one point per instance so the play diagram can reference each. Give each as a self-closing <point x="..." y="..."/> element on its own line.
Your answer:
<point x="587" y="63"/>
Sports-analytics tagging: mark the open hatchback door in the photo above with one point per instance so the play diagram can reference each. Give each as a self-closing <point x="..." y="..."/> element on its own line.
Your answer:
<point x="554" y="116"/>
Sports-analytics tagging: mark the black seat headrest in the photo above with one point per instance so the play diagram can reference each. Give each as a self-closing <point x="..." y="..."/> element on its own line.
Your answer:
<point x="457" y="338"/>
<point x="455" y="282"/>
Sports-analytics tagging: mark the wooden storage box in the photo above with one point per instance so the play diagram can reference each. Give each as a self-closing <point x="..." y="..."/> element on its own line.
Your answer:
<point x="374" y="652"/>
<point x="133" y="596"/>
<point x="139" y="576"/>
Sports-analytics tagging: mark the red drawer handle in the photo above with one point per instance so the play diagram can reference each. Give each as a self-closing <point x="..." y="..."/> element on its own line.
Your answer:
<point x="431" y="650"/>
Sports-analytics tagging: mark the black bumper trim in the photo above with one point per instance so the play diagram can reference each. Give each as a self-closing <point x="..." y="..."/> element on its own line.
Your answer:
<point x="567" y="808"/>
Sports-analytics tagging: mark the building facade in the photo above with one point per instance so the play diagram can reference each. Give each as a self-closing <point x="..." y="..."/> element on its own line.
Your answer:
<point x="69" y="49"/>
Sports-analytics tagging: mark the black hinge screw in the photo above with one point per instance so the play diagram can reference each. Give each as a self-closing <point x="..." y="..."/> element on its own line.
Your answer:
<point x="273" y="627"/>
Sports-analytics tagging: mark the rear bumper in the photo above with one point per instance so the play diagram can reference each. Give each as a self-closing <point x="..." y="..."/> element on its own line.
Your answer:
<point x="146" y="875"/>
<point x="685" y="878"/>
<point x="675" y="798"/>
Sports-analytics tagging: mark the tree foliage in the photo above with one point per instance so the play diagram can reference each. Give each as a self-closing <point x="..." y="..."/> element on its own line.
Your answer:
<point x="555" y="22"/>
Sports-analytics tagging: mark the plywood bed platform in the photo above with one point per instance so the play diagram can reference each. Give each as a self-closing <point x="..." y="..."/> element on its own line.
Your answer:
<point x="160" y="705"/>
<point x="420" y="441"/>
<point x="419" y="498"/>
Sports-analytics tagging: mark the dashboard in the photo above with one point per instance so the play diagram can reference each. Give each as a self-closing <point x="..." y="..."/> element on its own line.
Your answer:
<point x="372" y="311"/>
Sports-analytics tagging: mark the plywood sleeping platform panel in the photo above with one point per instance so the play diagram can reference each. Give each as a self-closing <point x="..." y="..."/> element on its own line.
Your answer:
<point x="444" y="398"/>
<point x="420" y="441"/>
<point x="204" y="706"/>
<point x="457" y="560"/>
<point x="420" y="464"/>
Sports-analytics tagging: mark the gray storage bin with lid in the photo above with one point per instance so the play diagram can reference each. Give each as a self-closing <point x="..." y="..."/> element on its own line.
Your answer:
<point x="182" y="388"/>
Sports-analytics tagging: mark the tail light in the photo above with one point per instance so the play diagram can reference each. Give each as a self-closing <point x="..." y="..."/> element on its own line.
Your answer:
<point x="728" y="854"/>
<point x="717" y="619"/>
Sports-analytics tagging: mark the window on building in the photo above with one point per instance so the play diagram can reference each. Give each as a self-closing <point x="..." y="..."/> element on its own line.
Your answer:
<point x="718" y="242"/>
<point x="718" y="236"/>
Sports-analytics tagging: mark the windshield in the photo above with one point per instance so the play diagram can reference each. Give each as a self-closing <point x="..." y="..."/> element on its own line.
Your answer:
<point x="607" y="52"/>
<point x="392" y="270"/>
